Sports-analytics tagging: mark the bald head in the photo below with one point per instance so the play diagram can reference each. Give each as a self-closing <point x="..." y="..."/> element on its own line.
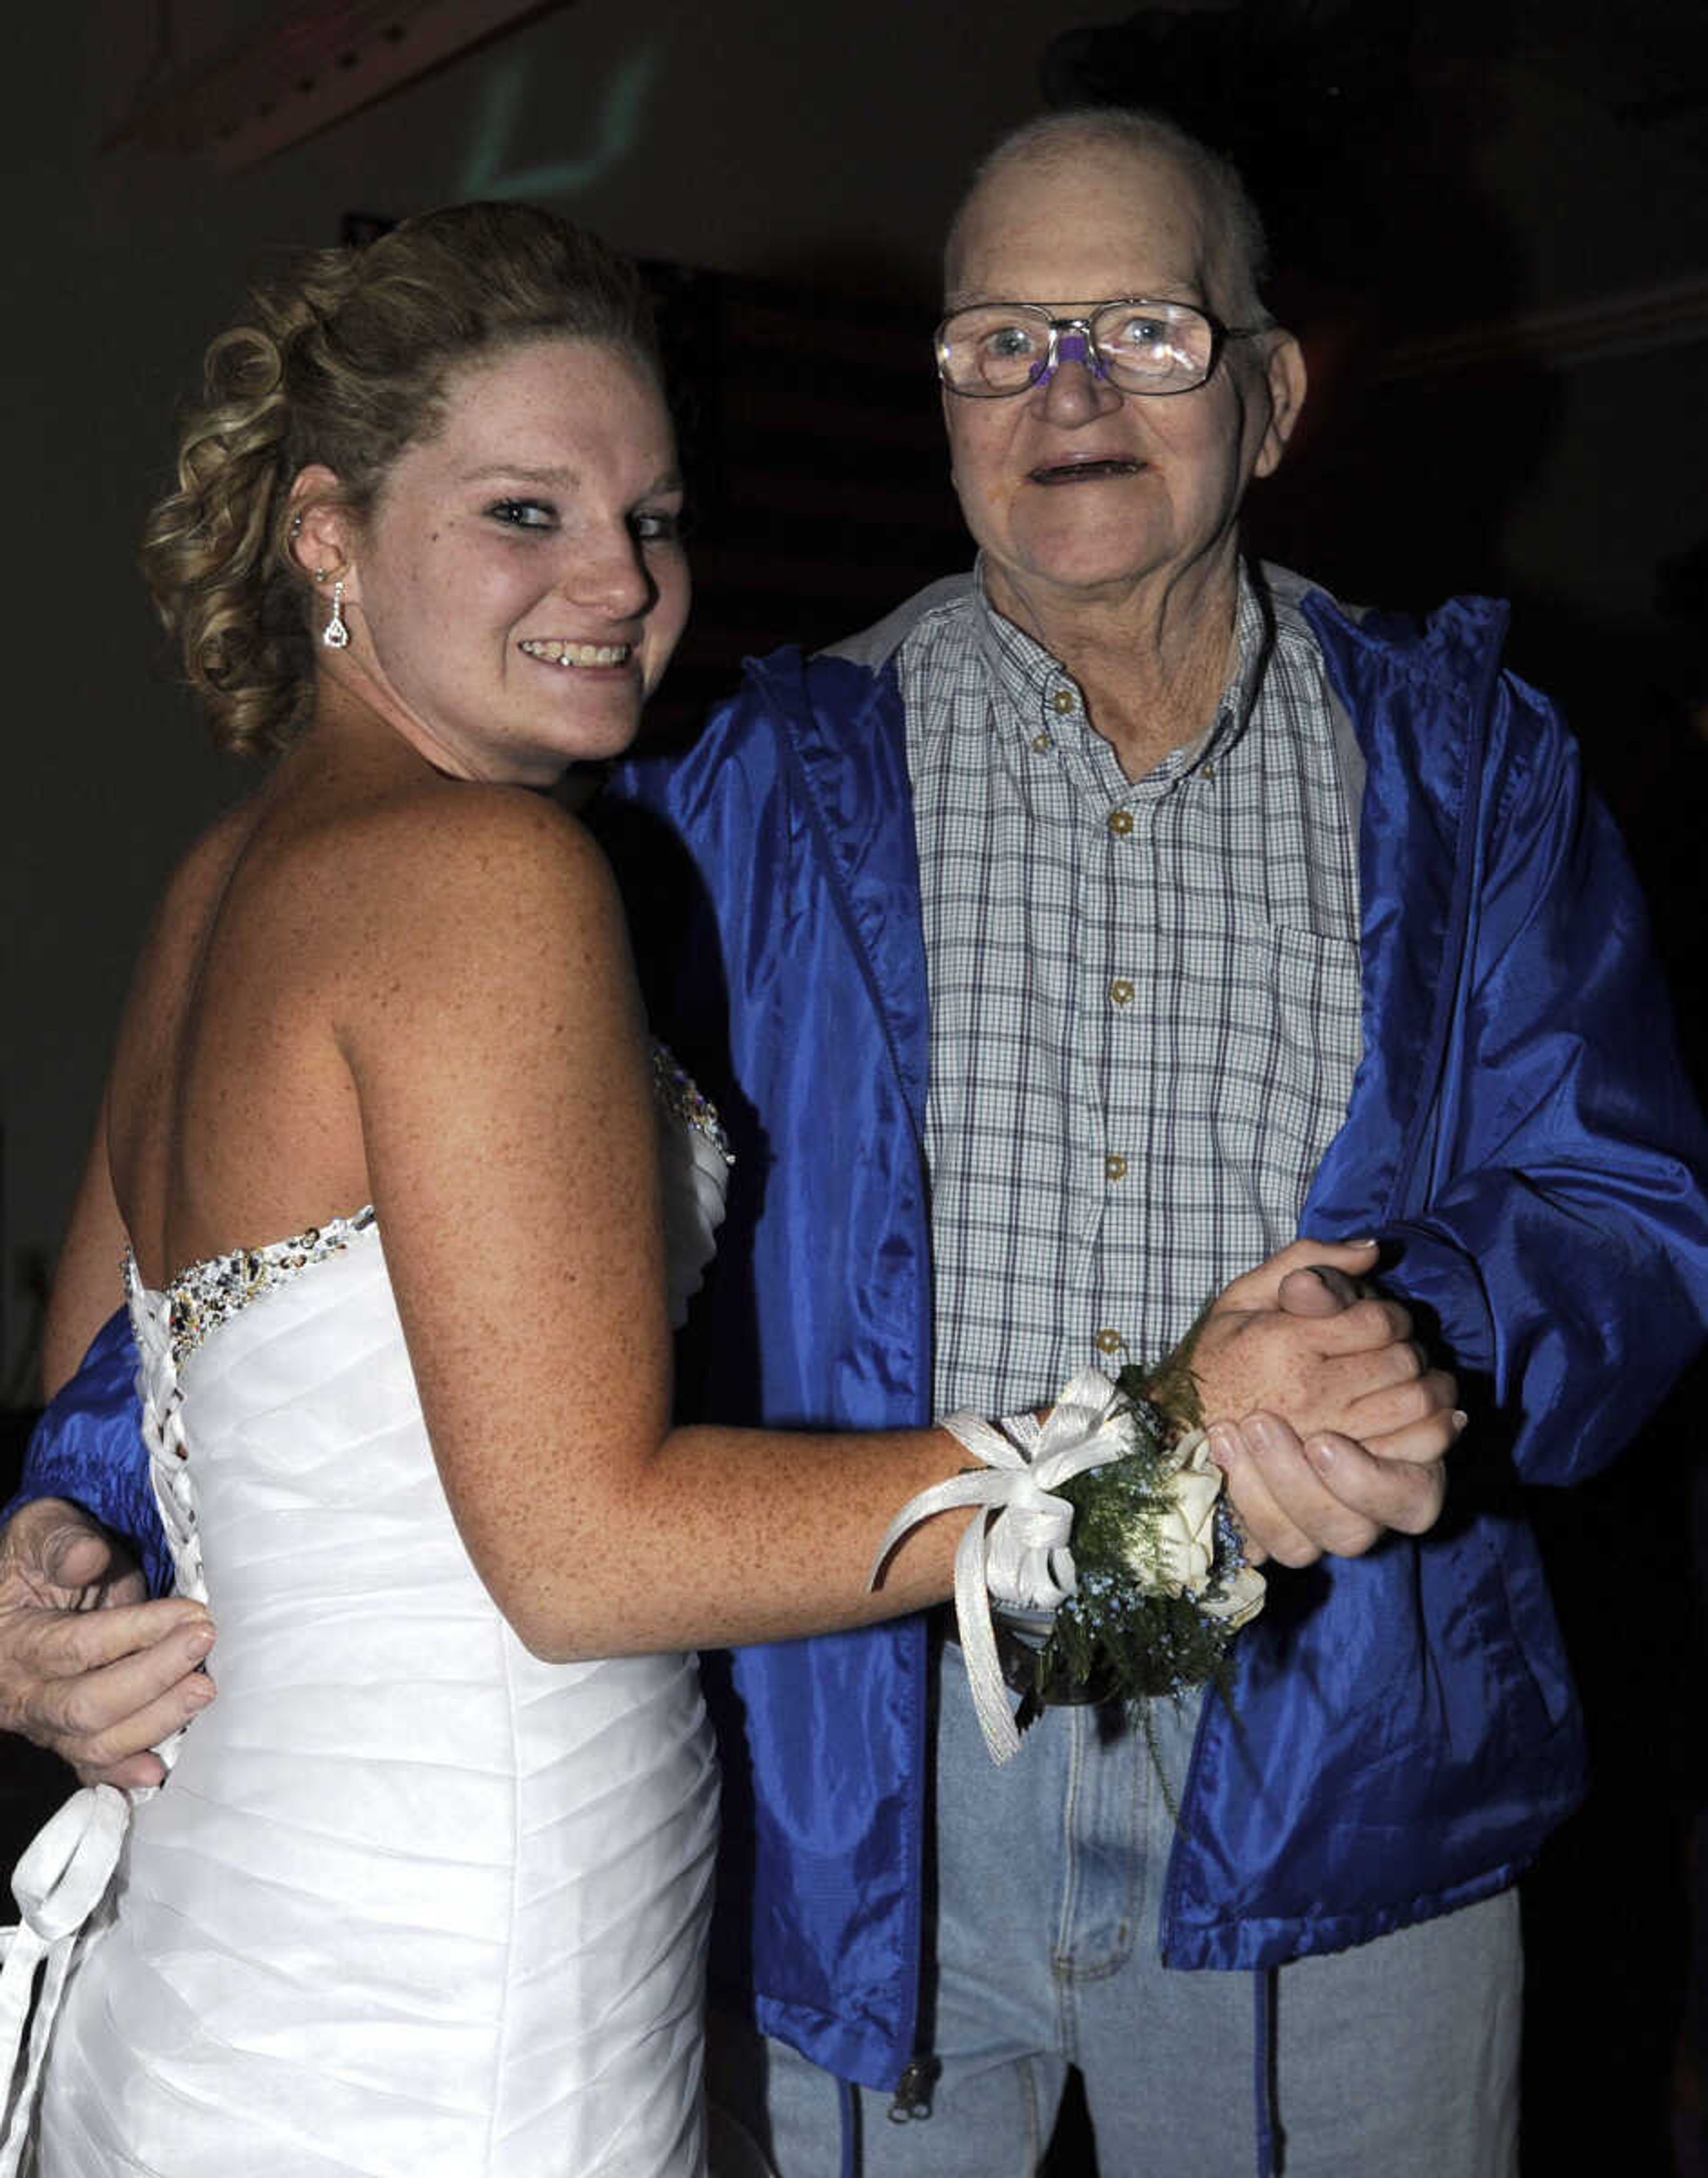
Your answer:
<point x="1058" y="142"/>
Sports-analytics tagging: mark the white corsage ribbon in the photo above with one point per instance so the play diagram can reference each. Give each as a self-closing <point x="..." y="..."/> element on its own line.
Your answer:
<point x="58" y="1884"/>
<point x="1015" y="1548"/>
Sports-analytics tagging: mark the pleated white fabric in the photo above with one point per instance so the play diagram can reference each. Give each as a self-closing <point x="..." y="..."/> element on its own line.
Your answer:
<point x="411" y="1902"/>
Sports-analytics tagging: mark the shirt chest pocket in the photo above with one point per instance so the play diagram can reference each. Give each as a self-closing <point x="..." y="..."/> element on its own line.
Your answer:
<point x="1268" y="1067"/>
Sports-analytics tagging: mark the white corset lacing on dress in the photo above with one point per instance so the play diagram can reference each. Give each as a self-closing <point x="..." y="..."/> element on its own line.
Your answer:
<point x="412" y="1903"/>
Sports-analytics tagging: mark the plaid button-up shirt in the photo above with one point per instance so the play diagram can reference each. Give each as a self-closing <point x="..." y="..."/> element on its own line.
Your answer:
<point x="1144" y="995"/>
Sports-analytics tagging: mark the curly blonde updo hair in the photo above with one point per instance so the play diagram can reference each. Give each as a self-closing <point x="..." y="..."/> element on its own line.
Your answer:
<point x="343" y="358"/>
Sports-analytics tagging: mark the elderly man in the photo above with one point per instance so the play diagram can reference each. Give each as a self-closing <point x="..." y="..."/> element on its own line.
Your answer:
<point x="1058" y="949"/>
<point x="1070" y="941"/>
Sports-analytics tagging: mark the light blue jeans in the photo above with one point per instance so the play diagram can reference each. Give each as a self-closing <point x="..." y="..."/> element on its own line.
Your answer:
<point x="1399" y="2060"/>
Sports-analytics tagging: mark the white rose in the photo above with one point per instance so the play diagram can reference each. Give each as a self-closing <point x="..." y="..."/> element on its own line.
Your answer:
<point x="1178" y="1556"/>
<point x="1186" y="1536"/>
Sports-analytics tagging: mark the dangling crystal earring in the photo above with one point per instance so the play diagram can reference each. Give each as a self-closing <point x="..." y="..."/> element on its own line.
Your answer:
<point x="335" y="634"/>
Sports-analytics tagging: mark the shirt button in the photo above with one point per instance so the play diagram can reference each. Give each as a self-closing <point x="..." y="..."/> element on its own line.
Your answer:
<point x="1108" y="1342"/>
<point x="1114" y="1168"/>
<point x="1042" y="744"/>
<point x="1121" y="823"/>
<point x="1120" y="992"/>
<point x="1207" y="774"/>
<point x="1063" y="702"/>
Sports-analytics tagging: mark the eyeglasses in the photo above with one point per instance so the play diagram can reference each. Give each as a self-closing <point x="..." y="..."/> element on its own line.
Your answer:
<point x="1136" y="343"/>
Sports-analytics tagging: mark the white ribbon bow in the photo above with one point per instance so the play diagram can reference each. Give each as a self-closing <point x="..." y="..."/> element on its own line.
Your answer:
<point x="58" y="1882"/>
<point x="1015" y="1548"/>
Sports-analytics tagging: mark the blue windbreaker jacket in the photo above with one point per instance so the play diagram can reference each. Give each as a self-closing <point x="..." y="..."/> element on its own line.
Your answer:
<point x="1403" y="1731"/>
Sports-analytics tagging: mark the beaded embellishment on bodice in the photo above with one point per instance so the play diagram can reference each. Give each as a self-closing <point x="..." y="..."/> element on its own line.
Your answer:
<point x="678" y="1095"/>
<point x="201" y="1298"/>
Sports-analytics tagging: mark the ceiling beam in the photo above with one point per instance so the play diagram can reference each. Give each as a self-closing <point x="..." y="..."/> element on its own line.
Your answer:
<point x="321" y="63"/>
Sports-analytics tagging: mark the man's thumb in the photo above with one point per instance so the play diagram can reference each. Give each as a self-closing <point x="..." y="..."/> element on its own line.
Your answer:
<point x="1320" y="1291"/>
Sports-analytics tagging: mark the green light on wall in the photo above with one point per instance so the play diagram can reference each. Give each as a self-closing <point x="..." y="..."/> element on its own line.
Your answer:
<point x="614" y="133"/>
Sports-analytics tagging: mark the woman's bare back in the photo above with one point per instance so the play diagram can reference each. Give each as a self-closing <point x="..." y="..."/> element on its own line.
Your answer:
<point x="232" y="1116"/>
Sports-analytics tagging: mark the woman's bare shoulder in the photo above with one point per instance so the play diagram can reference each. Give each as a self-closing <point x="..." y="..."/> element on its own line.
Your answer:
<point x="461" y="857"/>
<point x="458" y="821"/>
<point x="444" y="895"/>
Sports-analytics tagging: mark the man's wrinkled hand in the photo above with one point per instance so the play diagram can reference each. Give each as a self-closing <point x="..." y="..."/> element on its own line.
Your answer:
<point x="1299" y="1499"/>
<point x="88" y="1667"/>
<point x="1345" y="1429"/>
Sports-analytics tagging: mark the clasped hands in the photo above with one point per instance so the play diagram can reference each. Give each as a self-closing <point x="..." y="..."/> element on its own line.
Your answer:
<point x="1324" y="1416"/>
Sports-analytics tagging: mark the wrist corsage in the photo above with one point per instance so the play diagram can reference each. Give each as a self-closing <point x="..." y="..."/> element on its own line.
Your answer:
<point x="1108" y="1513"/>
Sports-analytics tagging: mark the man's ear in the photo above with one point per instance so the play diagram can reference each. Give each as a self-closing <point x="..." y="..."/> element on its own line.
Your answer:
<point x="321" y="531"/>
<point x="1284" y="376"/>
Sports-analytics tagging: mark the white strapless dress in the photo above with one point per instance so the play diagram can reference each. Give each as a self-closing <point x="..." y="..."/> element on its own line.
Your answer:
<point x="411" y="1902"/>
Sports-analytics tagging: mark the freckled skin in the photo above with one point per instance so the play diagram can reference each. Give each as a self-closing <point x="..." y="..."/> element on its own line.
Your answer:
<point x="575" y="442"/>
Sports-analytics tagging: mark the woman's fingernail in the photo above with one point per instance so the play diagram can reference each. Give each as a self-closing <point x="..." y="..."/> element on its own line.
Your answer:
<point x="198" y="1692"/>
<point x="199" y="1642"/>
<point x="1222" y="1444"/>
